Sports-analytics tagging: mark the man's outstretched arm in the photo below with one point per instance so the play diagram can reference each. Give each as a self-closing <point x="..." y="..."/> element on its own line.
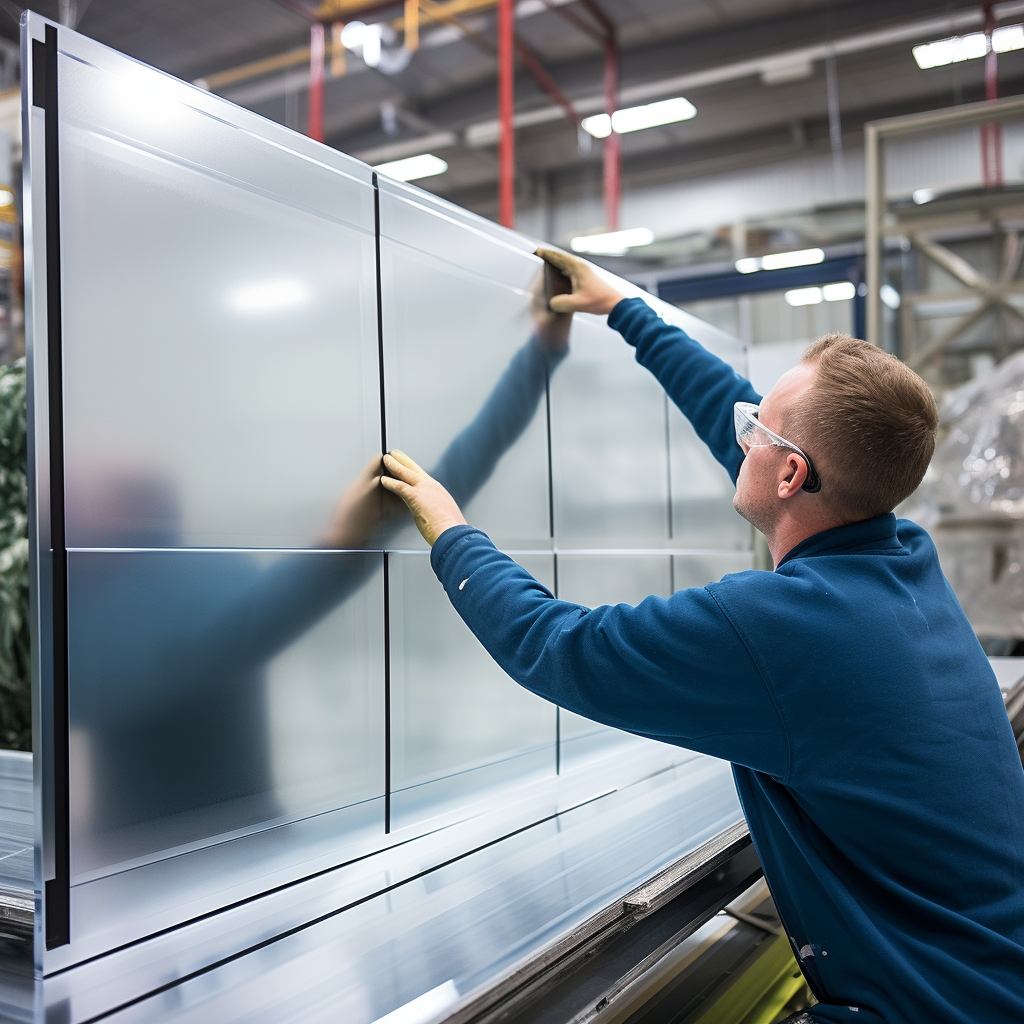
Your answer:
<point x="704" y="387"/>
<point x="672" y="669"/>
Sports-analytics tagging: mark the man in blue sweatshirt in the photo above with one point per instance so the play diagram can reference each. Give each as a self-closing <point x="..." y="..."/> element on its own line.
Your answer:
<point x="871" y="750"/>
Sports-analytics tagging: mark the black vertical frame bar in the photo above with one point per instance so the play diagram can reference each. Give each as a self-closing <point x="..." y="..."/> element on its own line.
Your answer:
<point x="554" y="554"/>
<point x="387" y="568"/>
<point x="58" y="889"/>
<point x="551" y="471"/>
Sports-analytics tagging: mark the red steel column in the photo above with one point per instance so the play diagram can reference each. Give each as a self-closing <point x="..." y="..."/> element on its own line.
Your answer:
<point x="612" y="144"/>
<point x="991" y="134"/>
<point x="506" y="111"/>
<point x="316" y="81"/>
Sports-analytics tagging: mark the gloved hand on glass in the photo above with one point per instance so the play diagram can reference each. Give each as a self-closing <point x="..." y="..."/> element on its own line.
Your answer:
<point x="591" y="293"/>
<point x="433" y="508"/>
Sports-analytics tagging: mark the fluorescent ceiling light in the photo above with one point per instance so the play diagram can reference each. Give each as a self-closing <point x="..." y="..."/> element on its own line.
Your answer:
<point x="804" y="296"/>
<point x="267" y="296"/>
<point x="780" y="260"/>
<point x="799" y="258"/>
<point x="890" y="296"/>
<point x="924" y="195"/>
<point x="839" y="291"/>
<point x="781" y="73"/>
<point x="6" y="197"/>
<point x="366" y="39"/>
<point x="612" y="243"/>
<point x="633" y="119"/>
<point x="412" y="167"/>
<point x="941" y="52"/>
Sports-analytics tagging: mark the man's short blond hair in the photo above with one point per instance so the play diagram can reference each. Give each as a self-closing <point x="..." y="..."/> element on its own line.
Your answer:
<point x="869" y="424"/>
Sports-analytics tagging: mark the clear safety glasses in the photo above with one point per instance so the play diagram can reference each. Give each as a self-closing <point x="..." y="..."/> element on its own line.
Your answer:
<point x="751" y="433"/>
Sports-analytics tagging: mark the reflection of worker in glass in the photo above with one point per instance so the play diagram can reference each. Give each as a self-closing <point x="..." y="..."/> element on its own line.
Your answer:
<point x="871" y="750"/>
<point x="172" y="657"/>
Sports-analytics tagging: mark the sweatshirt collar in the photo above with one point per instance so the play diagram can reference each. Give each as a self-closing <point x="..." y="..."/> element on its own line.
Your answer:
<point x="878" y="534"/>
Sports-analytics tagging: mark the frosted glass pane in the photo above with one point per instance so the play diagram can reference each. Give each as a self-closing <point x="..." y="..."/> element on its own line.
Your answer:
<point x="465" y="380"/>
<point x="702" y="512"/>
<point x="609" y="453"/>
<point x="458" y="723"/>
<point x="212" y="692"/>
<point x="594" y="580"/>
<point x="700" y="570"/>
<point x="220" y="357"/>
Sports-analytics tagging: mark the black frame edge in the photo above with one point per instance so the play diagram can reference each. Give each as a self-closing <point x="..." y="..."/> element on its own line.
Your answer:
<point x="387" y="568"/>
<point x="58" y="889"/>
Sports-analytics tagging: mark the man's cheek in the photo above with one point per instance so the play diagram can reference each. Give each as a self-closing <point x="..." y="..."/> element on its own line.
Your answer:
<point x="743" y="473"/>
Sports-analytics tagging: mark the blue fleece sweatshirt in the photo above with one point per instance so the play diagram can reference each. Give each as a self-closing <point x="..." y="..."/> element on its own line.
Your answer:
<point x="871" y="750"/>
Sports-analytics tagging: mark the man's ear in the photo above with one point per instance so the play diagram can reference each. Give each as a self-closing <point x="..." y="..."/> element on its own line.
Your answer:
<point x="794" y="473"/>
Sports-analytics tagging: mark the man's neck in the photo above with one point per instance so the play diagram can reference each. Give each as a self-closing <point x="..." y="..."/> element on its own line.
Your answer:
<point x="791" y="531"/>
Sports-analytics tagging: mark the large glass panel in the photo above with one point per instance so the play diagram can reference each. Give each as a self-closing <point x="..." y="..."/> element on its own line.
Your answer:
<point x="458" y="724"/>
<point x="702" y="493"/>
<point x="465" y="366"/>
<point x="216" y="692"/>
<point x="608" y="445"/>
<point x="220" y="358"/>
<point x="594" y="580"/>
<point x="702" y="512"/>
<point x="698" y="570"/>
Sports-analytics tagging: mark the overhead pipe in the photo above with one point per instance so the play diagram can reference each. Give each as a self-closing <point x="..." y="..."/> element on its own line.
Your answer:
<point x="316" y="81"/>
<point x="612" y="144"/>
<point x="991" y="134"/>
<point x="612" y="152"/>
<point x="506" y="113"/>
<point x="411" y="25"/>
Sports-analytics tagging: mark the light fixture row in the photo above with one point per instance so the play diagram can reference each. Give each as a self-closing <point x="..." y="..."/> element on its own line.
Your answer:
<point x="955" y="49"/>
<point x="836" y="292"/>
<point x="629" y="119"/>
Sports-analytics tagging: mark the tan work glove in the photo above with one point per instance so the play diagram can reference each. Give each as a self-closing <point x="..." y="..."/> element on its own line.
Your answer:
<point x="432" y="507"/>
<point x="591" y="293"/>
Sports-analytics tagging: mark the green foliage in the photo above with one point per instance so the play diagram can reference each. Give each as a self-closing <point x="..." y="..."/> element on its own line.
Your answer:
<point x="15" y="698"/>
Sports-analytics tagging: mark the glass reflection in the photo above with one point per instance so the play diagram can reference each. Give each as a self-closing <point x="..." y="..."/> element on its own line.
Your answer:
<point x="219" y="323"/>
<point x="459" y="724"/>
<point x="212" y="691"/>
<point x="702" y="512"/>
<point x="595" y="580"/>
<point x="215" y="691"/>
<point x="461" y="312"/>
<point x="608" y="446"/>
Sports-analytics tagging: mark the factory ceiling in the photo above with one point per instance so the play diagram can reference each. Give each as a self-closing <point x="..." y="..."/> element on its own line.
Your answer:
<point x="756" y="70"/>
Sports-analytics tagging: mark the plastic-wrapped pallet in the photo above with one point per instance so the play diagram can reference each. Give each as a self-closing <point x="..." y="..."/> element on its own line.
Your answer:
<point x="972" y="498"/>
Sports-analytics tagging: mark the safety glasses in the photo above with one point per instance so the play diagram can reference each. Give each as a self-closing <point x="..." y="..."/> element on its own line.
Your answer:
<point x="751" y="433"/>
